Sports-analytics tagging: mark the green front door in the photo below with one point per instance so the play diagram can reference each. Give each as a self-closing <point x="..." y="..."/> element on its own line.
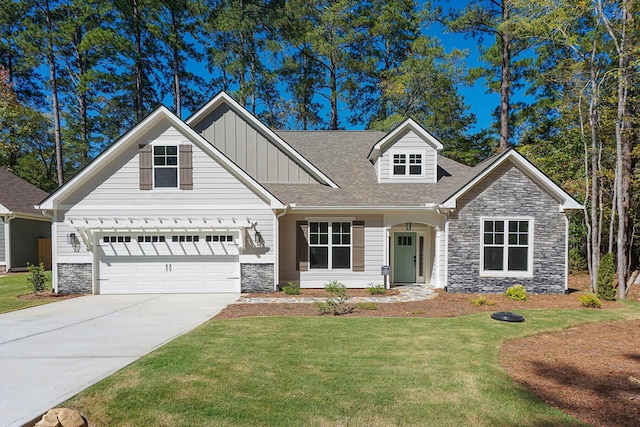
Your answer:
<point x="404" y="258"/>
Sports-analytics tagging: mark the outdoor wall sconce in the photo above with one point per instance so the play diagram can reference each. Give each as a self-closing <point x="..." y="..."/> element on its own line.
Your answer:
<point x="73" y="241"/>
<point x="408" y="226"/>
<point x="258" y="238"/>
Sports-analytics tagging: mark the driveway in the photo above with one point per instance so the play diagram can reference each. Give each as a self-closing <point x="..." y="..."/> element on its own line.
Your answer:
<point x="51" y="352"/>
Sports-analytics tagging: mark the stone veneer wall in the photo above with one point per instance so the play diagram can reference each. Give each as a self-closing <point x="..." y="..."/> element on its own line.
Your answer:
<point x="256" y="277"/>
<point x="74" y="279"/>
<point x="507" y="192"/>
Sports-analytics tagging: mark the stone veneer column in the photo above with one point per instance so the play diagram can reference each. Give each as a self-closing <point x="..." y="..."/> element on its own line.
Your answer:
<point x="74" y="278"/>
<point x="256" y="278"/>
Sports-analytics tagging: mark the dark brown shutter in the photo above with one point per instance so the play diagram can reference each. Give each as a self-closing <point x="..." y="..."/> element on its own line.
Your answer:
<point x="145" y="157"/>
<point x="302" y="245"/>
<point x="186" y="167"/>
<point x="357" y="231"/>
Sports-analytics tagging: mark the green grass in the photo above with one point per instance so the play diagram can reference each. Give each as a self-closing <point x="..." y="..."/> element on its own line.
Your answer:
<point x="326" y="371"/>
<point x="14" y="285"/>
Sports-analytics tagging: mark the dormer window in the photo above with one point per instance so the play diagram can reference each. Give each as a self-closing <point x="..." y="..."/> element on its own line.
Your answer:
<point x="408" y="165"/>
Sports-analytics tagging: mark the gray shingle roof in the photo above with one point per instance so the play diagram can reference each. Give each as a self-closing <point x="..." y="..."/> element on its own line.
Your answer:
<point x="342" y="155"/>
<point x="17" y="195"/>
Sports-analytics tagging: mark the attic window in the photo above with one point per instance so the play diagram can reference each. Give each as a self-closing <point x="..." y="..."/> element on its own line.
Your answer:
<point x="165" y="166"/>
<point x="399" y="164"/>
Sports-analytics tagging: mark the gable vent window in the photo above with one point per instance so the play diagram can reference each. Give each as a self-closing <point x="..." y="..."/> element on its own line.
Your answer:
<point x="165" y="166"/>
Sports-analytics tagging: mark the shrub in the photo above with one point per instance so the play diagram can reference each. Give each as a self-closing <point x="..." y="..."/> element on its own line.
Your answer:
<point x="590" y="301"/>
<point x="291" y="288"/>
<point x="516" y="293"/>
<point x="376" y="289"/>
<point x="367" y="306"/>
<point x="605" y="279"/>
<point x="36" y="277"/>
<point x="577" y="262"/>
<point x="482" y="300"/>
<point x="336" y="303"/>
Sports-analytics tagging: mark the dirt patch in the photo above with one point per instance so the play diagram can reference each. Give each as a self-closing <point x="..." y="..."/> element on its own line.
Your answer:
<point x="48" y="296"/>
<point x="590" y="371"/>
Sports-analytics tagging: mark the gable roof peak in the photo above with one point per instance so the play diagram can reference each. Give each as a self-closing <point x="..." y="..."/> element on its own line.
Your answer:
<point x="407" y="124"/>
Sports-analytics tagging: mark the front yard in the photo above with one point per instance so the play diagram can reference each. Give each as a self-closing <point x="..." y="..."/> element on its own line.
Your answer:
<point x="335" y="371"/>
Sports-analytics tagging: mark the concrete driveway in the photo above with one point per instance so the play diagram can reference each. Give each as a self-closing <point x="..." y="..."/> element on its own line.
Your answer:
<point x="51" y="352"/>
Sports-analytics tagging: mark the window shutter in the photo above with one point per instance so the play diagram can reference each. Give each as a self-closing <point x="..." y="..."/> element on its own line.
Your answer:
<point x="186" y="167"/>
<point x="146" y="166"/>
<point x="357" y="231"/>
<point x="302" y="245"/>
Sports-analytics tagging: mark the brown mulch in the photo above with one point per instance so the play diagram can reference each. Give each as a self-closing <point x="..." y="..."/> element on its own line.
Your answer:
<point x="48" y="295"/>
<point x="590" y="371"/>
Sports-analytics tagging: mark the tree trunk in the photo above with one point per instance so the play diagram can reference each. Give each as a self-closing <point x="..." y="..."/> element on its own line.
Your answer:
<point x="54" y="94"/>
<point x="138" y="60"/>
<point x="177" y="99"/>
<point x="596" y="232"/>
<point x="333" y="87"/>
<point x="505" y="77"/>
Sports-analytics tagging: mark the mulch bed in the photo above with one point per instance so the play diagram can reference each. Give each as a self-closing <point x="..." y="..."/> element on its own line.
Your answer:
<point x="589" y="371"/>
<point x="48" y="296"/>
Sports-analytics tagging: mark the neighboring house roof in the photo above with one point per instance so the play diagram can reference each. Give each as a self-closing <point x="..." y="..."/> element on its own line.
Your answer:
<point x="139" y="129"/>
<point x="18" y="195"/>
<point x="343" y="155"/>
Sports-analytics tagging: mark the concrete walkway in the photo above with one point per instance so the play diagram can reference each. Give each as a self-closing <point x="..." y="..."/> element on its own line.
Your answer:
<point x="51" y="352"/>
<point x="406" y="293"/>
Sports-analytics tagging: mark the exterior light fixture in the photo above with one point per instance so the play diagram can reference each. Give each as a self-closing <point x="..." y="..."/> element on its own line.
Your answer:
<point x="71" y="238"/>
<point x="258" y="238"/>
<point x="408" y="226"/>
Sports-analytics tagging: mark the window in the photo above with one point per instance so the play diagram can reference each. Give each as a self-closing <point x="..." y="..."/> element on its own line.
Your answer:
<point x="415" y="165"/>
<point x="399" y="164"/>
<point x="507" y="247"/>
<point x="330" y="245"/>
<point x="165" y="166"/>
<point x="116" y="239"/>
<point x="151" y="239"/>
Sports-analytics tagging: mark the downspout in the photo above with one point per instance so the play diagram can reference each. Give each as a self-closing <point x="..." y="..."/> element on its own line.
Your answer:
<point x="276" y="267"/>
<point x="446" y="248"/>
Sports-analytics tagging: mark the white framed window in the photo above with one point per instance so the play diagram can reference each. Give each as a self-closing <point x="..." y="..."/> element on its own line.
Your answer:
<point x="165" y="166"/>
<point x="506" y="247"/>
<point x="408" y="164"/>
<point x="329" y="245"/>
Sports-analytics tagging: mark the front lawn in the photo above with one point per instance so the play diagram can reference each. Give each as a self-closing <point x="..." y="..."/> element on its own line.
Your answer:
<point x="329" y="371"/>
<point x="14" y="285"/>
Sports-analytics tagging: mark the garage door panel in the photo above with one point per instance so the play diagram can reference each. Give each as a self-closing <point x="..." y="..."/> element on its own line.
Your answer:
<point x="169" y="275"/>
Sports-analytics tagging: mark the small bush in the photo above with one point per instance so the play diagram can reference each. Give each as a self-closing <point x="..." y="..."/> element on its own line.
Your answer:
<point x="376" y="289"/>
<point x="336" y="303"/>
<point x="590" y="301"/>
<point x="291" y="288"/>
<point x="577" y="262"/>
<point x="606" y="276"/>
<point x="482" y="301"/>
<point x="367" y="306"/>
<point x="36" y="277"/>
<point x="516" y="293"/>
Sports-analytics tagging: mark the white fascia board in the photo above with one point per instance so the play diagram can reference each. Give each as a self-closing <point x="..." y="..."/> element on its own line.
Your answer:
<point x="363" y="208"/>
<point x="160" y="113"/>
<point x="33" y="217"/>
<point x="4" y="210"/>
<point x="568" y="202"/>
<point x="223" y="97"/>
<point x="409" y="124"/>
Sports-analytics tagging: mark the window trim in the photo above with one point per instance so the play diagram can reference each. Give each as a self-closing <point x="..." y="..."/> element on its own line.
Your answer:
<point x="407" y="164"/>
<point x="330" y="244"/>
<point x="505" y="260"/>
<point x="176" y="166"/>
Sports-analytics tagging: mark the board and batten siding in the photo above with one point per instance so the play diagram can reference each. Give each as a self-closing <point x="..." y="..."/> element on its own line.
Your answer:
<point x="374" y="244"/>
<point x="410" y="143"/>
<point x="114" y="192"/>
<point x="249" y="148"/>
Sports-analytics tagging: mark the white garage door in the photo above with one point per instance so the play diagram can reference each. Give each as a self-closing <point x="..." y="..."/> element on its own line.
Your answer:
<point x="163" y="264"/>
